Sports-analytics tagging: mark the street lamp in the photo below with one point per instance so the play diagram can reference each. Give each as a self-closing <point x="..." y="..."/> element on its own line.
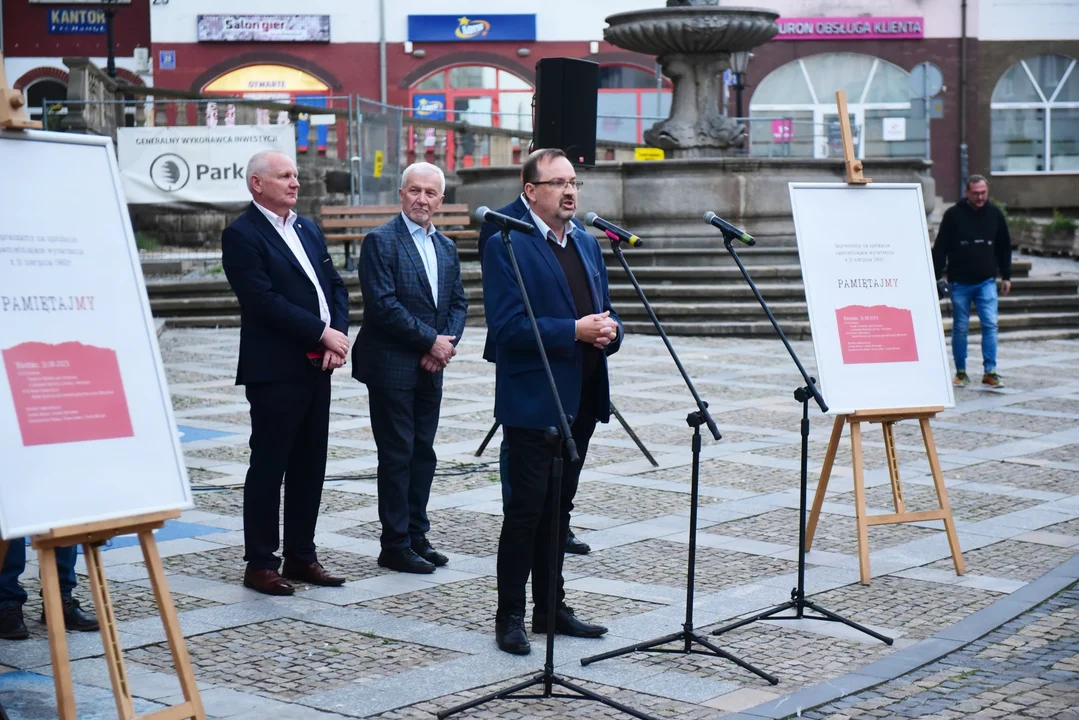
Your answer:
<point x="110" y="13"/>
<point x="739" y="65"/>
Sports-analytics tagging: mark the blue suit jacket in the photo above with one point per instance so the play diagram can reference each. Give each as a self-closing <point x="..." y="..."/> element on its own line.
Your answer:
<point x="516" y="209"/>
<point x="279" y="318"/>
<point x="522" y="393"/>
<point x="401" y="319"/>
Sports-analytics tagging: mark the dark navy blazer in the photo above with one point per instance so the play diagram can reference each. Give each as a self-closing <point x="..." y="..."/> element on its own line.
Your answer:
<point x="516" y="209"/>
<point x="401" y="319"/>
<point x="279" y="317"/>
<point x="522" y="393"/>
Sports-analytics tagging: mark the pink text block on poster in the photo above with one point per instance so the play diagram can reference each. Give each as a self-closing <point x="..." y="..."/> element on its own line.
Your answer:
<point x="877" y="334"/>
<point x="65" y="393"/>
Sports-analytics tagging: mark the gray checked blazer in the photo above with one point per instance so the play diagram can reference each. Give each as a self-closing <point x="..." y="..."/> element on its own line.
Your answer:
<point x="401" y="319"/>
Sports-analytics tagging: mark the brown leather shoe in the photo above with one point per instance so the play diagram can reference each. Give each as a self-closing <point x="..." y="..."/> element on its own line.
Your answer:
<point x="313" y="574"/>
<point x="267" y="582"/>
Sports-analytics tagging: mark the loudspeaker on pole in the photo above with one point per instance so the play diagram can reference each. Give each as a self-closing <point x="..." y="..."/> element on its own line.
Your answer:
<point x="566" y="98"/>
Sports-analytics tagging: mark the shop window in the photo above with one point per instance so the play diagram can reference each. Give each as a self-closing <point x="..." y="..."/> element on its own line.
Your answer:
<point x="793" y="111"/>
<point x="37" y="93"/>
<point x="1035" y="117"/>
<point x="628" y="103"/>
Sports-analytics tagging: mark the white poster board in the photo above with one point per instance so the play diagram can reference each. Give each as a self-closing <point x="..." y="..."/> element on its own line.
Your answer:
<point x="86" y="425"/>
<point x="195" y="164"/>
<point x="871" y="290"/>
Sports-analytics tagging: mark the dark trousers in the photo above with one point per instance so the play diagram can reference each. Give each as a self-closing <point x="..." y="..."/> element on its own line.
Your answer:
<point x="524" y="544"/>
<point x="12" y="593"/>
<point x="404" y="423"/>
<point x="290" y="425"/>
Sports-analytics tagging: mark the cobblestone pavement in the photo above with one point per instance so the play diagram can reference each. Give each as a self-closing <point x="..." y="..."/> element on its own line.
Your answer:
<point x="397" y="646"/>
<point x="1029" y="668"/>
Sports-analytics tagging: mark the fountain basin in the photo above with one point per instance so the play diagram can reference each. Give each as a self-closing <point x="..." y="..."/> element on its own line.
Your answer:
<point x="691" y="29"/>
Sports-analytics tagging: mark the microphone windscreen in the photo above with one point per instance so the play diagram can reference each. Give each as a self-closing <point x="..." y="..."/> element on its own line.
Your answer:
<point x="708" y="216"/>
<point x="481" y="213"/>
<point x="590" y="219"/>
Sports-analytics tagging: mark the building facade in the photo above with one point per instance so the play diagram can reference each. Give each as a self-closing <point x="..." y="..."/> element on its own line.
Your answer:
<point x="36" y="35"/>
<point x="1005" y="102"/>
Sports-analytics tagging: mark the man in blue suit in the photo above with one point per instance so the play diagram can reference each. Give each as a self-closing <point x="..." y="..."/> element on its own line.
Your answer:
<point x="414" y="310"/>
<point x="518" y="209"/>
<point x="566" y="281"/>
<point x="293" y="334"/>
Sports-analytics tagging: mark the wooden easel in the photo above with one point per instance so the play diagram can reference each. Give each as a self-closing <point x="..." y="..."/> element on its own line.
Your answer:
<point x="12" y="108"/>
<point x="887" y="420"/>
<point x="91" y="536"/>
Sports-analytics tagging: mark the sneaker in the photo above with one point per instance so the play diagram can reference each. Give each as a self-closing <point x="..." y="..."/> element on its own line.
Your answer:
<point x="992" y="380"/>
<point x="961" y="379"/>
<point x="12" y="625"/>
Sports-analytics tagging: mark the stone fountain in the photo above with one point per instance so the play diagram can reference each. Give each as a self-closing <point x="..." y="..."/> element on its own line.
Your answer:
<point x="693" y="40"/>
<point x="709" y="165"/>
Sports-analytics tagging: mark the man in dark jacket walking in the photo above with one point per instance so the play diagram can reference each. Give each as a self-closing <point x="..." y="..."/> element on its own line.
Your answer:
<point x="973" y="246"/>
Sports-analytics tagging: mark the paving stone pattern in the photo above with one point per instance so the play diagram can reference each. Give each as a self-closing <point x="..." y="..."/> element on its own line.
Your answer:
<point x="401" y="646"/>
<point x="1029" y="668"/>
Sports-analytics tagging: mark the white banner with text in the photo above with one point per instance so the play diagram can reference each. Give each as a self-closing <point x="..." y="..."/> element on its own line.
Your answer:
<point x="195" y="164"/>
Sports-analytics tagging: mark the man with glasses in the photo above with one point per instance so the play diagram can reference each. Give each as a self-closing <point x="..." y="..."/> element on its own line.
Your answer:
<point x="519" y="208"/>
<point x="974" y="246"/>
<point x="566" y="281"/>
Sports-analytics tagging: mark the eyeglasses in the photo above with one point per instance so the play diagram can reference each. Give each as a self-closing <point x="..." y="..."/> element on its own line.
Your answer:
<point x="559" y="183"/>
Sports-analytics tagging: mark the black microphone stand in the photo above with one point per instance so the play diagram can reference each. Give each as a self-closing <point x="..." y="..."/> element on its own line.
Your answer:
<point x="687" y="635"/>
<point x="556" y="436"/>
<point x="798" y="601"/>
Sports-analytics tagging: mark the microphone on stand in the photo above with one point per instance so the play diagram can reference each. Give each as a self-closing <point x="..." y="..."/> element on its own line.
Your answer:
<point x="712" y="219"/>
<point x="613" y="231"/>
<point x="504" y="222"/>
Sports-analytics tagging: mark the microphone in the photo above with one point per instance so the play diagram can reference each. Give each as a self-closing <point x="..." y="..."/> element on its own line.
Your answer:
<point x="613" y="231"/>
<point x="505" y="222"/>
<point x="712" y="219"/>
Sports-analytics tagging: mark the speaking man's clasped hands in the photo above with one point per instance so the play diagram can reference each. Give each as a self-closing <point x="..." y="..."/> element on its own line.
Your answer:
<point x="597" y="330"/>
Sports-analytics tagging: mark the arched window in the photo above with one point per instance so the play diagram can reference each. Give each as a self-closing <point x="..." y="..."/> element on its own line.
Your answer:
<point x="795" y="111"/>
<point x="629" y="102"/>
<point x="1035" y="117"/>
<point x="40" y="91"/>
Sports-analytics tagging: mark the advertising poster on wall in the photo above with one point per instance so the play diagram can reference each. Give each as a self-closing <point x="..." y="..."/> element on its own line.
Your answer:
<point x="86" y="425"/>
<point x="868" y="272"/>
<point x="195" y="164"/>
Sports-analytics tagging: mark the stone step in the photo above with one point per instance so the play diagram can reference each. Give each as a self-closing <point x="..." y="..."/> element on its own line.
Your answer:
<point x="799" y="330"/>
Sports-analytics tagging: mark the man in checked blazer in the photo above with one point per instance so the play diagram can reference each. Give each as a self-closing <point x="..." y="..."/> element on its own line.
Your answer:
<point x="414" y="310"/>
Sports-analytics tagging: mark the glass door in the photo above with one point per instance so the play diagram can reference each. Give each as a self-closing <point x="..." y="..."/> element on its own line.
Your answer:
<point x="828" y="140"/>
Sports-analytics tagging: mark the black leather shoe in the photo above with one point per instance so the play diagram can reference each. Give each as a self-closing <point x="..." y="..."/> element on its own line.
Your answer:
<point x="575" y="546"/>
<point x="566" y="623"/>
<point x="404" y="560"/>
<point x="510" y="634"/>
<point x="12" y="625"/>
<point x="75" y="618"/>
<point x="424" y="550"/>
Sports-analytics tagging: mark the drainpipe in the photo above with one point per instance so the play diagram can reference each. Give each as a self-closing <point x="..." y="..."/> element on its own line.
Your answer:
<point x="382" y="50"/>
<point x="963" y="153"/>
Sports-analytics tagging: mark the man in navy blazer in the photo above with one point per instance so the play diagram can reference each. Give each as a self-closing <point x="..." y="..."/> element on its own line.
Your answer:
<point x="566" y="281"/>
<point x="518" y="209"/>
<point x="414" y="310"/>
<point x="293" y="334"/>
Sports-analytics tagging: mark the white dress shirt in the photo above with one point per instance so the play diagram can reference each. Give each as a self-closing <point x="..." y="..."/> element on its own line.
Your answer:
<point x="547" y="231"/>
<point x="286" y="228"/>
<point x="425" y="244"/>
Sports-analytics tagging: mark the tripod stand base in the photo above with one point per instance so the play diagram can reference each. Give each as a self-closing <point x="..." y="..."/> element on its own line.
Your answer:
<point x="688" y="638"/>
<point x="548" y="681"/>
<point x="799" y="606"/>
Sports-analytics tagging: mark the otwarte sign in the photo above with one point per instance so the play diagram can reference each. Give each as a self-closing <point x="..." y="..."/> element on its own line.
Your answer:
<point x="86" y="425"/>
<point x="264" y="28"/>
<point x="195" y="164"/>
<point x="872" y="296"/>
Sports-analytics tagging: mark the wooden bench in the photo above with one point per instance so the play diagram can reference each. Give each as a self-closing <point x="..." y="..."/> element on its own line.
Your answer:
<point x="350" y="223"/>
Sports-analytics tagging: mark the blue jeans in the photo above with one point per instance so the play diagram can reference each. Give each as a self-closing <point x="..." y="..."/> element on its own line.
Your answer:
<point x="984" y="297"/>
<point x="12" y="593"/>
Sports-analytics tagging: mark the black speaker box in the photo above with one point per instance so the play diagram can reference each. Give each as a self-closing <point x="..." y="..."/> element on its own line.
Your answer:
<point x="566" y="95"/>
